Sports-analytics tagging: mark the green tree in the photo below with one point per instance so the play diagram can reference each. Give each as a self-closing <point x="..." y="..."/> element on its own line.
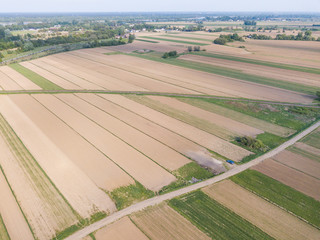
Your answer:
<point x="131" y="38"/>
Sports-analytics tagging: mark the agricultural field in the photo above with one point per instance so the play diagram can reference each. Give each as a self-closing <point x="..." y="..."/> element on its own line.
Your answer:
<point x="178" y="147"/>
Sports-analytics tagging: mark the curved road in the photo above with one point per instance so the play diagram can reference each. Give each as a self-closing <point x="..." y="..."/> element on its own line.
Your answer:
<point x="158" y="199"/>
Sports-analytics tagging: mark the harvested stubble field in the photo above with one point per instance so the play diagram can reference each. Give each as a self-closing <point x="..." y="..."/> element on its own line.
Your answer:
<point x="200" y="137"/>
<point x="217" y="221"/>
<point x="24" y="114"/>
<point x="157" y="132"/>
<point x="162" y="222"/>
<point x="291" y="177"/>
<point x="280" y="194"/>
<point x="271" y="219"/>
<point x="186" y="41"/>
<point x="123" y="229"/>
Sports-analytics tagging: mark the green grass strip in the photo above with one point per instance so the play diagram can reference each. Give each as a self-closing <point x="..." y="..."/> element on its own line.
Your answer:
<point x="4" y="235"/>
<point x="128" y="195"/>
<point x="176" y="41"/>
<point x="190" y="38"/>
<point x="282" y="195"/>
<point x="217" y="221"/>
<point x="304" y="153"/>
<point x="263" y="63"/>
<point x="228" y="72"/>
<point x="313" y="139"/>
<point x="145" y="40"/>
<point x="42" y="82"/>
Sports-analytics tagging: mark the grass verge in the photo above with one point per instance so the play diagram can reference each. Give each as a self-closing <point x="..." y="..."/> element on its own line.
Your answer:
<point x="214" y="219"/>
<point x="42" y="82"/>
<point x="263" y="63"/>
<point x="176" y="41"/>
<point x="4" y="235"/>
<point x="280" y="194"/>
<point x="128" y="195"/>
<point x="185" y="175"/>
<point x="145" y="40"/>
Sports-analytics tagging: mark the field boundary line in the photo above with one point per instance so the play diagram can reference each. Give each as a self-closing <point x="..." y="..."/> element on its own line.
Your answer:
<point x="158" y="199"/>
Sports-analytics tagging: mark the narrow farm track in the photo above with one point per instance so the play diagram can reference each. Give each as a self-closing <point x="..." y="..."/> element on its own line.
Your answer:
<point x="158" y="94"/>
<point x="158" y="199"/>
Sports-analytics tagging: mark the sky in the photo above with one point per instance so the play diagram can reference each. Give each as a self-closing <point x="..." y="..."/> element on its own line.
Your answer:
<point x="159" y="5"/>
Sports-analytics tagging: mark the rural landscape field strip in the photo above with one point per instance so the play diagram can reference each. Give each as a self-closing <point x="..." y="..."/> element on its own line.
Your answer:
<point x="141" y="81"/>
<point x="271" y="219"/>
<point x="200" y="137"/>
<point x="290" y="177"/>
<point x="37" y="79"/>
<point x="159" y="133"/>
<point x="262" y="63"/>
<point x="76" y="187"/>
<point x="230" y="125"/>
<point x="162" y="222"/>
<point x="101" y="170"/>
<point x="50" y="76"/>
<point x="47" y="213"/>
<point x="158" y="152"/>
<point x="243" y="79"/>
<point x="306" y="150"/>
<point x="24" y="82"/>
<point x="214" y="219"/>
<point x="7" y="83"/>
<point x="141" y="168"/>
<point x="122" y="229"/>
<point x="313" y="139"/>
<point x="276" y="73"/>
<point x="280" y="194"/>
<point x="186" y="37"/>
<point x="90" y="75"/>
<point x="175" y="41"/>
<point x="300" y="163"/>
<point x="184" y="116"/>
<point x="16" y="226"/>
<point x="70" y="77"/>
<point x="240" y="117"/>
<point x="124" y="65"/>
<point x="3" y="230"/>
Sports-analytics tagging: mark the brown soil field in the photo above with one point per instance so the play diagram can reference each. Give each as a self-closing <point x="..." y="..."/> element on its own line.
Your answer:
<point x="122" y="229"/>
<point x="144" y="170"/>
<point x="276" y="73"/>
<point x="307" y="148"/>
<point x="226" y="86"/>
<point x="302" y="53"/>
<point x="162" y="222"/>
<point x="129" y="77"/>
<point x="21" y="80"/>
<point x="173" y="140"/>
<point x="50" y="76"/>
<point x="229" y="124"/>
<point x="101" y="170"/>
<point x="7" y="83"/>
<point x="298" y="162"/>
<point x="191" y="87"/>
<point x="240" y="117"/>
<point x="92" y="76"/>
<point x="10" y="212"/>
<point x="291" y="177"/>
<point x="45" y="209"/>
<point x="266" y="216"/>
<point x="157" y="151"/>
<point x="70" y="77"/>
<point x="82" y="194"/>
<point x="202" y="138"/>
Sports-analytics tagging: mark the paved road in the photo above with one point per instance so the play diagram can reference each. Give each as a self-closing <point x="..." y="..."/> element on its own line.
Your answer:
<point x="314" y="105"/>
<point x="158" y="199"/>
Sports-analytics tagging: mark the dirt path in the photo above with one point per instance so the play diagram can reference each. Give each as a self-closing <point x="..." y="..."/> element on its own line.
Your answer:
<point x="158" y="199"/>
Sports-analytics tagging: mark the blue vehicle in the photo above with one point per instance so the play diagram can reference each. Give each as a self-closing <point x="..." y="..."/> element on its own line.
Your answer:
<point x="230" y="161"/>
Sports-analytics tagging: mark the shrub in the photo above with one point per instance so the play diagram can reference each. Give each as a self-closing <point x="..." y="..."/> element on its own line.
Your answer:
<point x="252" y="143"/>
